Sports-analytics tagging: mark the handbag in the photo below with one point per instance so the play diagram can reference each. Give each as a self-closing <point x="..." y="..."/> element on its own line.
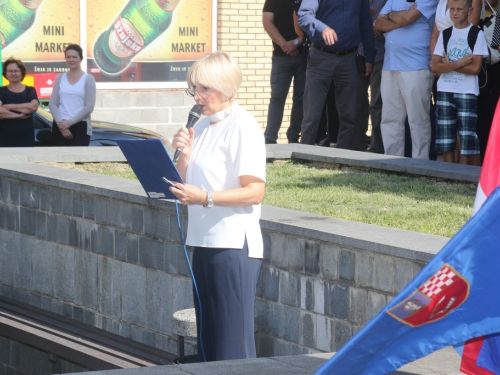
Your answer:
<point x="487" y="24"/>
<point x="361" y="64"/>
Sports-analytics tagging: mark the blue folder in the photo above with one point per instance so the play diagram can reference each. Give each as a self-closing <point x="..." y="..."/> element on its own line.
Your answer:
<point x="151" y="162"/>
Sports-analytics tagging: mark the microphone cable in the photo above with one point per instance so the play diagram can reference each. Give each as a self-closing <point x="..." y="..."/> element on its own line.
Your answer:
<point x="192" y="277"/>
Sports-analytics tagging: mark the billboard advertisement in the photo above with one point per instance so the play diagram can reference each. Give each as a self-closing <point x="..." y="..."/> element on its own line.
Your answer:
<point x="36" y="32"/>
<point x="126" y="43"/>
<point x="146" y="40"/>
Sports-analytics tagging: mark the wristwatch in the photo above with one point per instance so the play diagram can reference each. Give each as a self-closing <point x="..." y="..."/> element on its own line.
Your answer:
<point x="296" y="42"/>
<point x="210" y="200"/>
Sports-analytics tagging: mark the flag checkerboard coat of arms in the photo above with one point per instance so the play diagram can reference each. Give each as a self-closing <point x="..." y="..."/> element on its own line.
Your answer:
<point x="436" y="298"/>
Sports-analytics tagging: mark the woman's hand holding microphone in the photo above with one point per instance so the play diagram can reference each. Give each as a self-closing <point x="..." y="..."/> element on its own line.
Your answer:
<point x="186" y="194"/>
<point x="184" y="140"/>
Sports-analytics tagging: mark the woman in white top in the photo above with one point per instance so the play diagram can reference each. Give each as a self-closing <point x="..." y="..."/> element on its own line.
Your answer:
<point x="72" y="102"/>
<point x="223" y="161"/>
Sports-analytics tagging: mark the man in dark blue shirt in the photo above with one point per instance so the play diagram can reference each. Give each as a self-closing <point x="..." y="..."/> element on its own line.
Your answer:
<point x="335" y="27"/>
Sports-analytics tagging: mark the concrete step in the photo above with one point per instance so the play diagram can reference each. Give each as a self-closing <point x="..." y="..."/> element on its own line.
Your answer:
<point x="443" y="362"/>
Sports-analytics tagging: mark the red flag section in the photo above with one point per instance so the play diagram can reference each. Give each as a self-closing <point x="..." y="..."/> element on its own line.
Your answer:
<point x="469" y="358"/>
<point x="490" y="172"/>
<point x="488" y="181"/>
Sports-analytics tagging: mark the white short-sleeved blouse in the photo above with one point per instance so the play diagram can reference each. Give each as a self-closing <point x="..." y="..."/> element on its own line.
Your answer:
<point x="221" y="154"/>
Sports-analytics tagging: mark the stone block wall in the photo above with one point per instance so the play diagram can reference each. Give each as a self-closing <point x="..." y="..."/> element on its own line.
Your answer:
<point x="20" y="359"/>
<point x="112" y="263"/>
<point x="95" y="249"/>
<point x="316" y="294"/>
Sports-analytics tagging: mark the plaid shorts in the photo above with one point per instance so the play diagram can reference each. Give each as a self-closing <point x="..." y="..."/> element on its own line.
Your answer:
<point x="457" y="112"/>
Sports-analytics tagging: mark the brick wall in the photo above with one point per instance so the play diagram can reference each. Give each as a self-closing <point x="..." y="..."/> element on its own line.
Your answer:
<point x="240" y="33"/>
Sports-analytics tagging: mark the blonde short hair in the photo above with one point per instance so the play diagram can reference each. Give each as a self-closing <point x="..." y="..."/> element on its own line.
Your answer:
<point x="468" y="3"/>
<point x="217" y="70"/>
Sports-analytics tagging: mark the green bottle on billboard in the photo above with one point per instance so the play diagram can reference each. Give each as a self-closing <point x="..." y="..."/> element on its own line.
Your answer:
<point x="138" y="24"/>
<point x="16" y="16"/>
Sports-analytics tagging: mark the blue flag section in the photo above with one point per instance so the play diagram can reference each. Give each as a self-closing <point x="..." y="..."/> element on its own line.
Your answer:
<point x="489" y="355"/>
<point x="454" y="298"/>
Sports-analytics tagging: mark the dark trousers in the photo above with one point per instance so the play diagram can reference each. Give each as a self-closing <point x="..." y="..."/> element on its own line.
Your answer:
<point x="285" y="68"/>
<point x="79" y="132"/>
<point x="227" y="282"/>
<point x="486" y="105"/>
<point x="371" y="108"/>
<point x="322" y="70"/>
<point x="17" y="133"/>
<point x="329" y="123"/>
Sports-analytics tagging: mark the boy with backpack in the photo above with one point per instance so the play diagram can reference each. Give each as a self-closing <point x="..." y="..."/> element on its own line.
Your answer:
<point x="457" y="59"/>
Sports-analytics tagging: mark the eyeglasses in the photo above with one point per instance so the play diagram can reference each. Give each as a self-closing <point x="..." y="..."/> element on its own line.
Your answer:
<point x="13" y="71"/>
<point x="191" y="91"/>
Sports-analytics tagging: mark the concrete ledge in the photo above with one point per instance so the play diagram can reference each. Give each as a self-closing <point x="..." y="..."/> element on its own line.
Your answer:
<point x="328" y="155"/>
<point x="384" y="240"/>
<point x="442" y="362"/>
<point x="62" y="154"/>
<point x="369" y="160"/>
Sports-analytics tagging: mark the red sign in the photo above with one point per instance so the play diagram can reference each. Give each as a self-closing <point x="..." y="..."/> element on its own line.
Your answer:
<point x="44" y="83"/>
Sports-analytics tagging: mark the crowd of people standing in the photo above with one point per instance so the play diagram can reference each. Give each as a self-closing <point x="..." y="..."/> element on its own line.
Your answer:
<point x="419" y="88"/>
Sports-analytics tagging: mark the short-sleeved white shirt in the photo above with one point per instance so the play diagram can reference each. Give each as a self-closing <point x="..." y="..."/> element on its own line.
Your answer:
<point x="221" y="154"/>
<point x="458" y="47"/>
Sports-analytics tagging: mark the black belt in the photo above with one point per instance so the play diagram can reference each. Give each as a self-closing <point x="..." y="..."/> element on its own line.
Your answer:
<point x="338" y="53"/>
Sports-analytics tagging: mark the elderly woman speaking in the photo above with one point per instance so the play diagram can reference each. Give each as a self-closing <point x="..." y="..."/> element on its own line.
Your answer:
<point x="223" y="161"/>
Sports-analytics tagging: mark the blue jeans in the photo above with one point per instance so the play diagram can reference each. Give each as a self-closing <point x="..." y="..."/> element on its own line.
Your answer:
<point x="285" y="68"/>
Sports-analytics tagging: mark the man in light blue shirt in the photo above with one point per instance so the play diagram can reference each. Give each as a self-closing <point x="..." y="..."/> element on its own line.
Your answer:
<point x="406" y="78"/>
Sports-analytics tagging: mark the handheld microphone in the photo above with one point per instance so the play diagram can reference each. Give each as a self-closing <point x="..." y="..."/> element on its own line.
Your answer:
<point x="194" y="116"/>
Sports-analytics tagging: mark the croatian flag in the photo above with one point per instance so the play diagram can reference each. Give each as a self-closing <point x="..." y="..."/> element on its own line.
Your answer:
<point x="490" y="172"/>
<point x="481" y="356"/>
<point x="453" y="299"/>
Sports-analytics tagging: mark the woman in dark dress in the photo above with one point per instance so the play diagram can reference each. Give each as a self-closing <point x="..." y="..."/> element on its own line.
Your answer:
<point x="17" y="103"/>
